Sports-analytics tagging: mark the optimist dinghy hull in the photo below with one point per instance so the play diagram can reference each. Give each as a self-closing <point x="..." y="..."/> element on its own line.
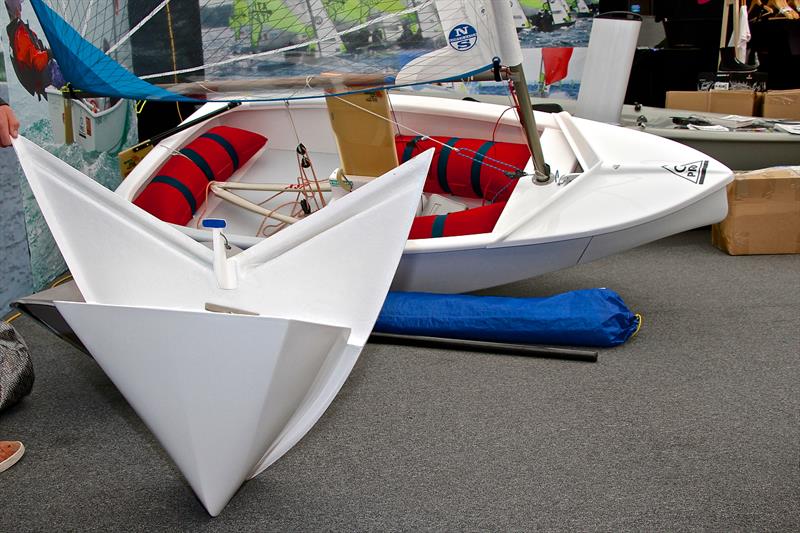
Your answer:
<point x="221" y="393"/>
<point x="616" y="188"/>
<point x="228" y="360"/>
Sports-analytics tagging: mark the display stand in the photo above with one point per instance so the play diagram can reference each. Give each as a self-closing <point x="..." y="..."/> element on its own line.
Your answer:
<point x="731" y="62"/>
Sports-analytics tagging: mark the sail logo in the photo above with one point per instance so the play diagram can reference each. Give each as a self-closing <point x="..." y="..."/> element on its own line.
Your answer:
<point x="463" y="37"/>
<point x="694" y="171"/>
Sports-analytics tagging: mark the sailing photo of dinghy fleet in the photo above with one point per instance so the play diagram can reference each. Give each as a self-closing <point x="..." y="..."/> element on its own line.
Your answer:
<point x="550" y="15"/>
<point x="267" y="235"/>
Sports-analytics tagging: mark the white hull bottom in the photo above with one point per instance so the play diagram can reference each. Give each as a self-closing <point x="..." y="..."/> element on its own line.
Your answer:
<point x="226" y="395"/>
<point x="474" y="269"/>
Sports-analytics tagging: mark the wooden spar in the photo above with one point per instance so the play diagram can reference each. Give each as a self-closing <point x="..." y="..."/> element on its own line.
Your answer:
<point x="340" y="81"/>
<point x="271" y="187"/>
<point x="322" y="81"/>
<point x="250" y="206"/>
<point x="528" y="121"/>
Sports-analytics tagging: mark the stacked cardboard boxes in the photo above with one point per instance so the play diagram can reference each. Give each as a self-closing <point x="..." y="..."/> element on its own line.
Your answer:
<point x="769" y="104"/>
<point x="781" y="104"/>
<point x="763" y="213"/>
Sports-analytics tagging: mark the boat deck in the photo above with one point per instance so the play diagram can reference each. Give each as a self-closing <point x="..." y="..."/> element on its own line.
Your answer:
<point x="693" y="424"/>
<point x="273" y="166"/>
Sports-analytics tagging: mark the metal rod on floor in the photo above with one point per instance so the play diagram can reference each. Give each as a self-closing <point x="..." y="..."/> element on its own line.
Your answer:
<point x="530" y="350"/>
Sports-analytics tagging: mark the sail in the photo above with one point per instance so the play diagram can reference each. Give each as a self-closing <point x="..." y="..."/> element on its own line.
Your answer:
<point x="266" y="49"/>
<point x="556" y="64"/>
<point x="560" y="12"/>
<point x="580" y="7"/>
<point x="520" y="20"/>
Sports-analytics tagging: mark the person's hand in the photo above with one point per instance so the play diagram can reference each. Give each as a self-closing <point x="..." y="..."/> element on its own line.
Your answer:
<point x="9" y="125"/>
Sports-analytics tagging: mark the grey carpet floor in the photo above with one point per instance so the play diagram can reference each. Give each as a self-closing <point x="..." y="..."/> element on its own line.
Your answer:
<point x="692" y="425"/>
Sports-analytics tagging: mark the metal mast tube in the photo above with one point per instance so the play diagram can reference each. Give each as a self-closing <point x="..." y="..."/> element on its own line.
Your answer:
<point x="511" y="54"/>
<point x="529" y="123"/>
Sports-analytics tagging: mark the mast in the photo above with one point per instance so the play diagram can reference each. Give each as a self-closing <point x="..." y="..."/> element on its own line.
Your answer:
<point x="512" y="55"/>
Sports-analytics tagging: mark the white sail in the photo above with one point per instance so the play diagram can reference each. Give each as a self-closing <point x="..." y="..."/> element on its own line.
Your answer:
<point x="473" y="36"/>
<point x="520" y="20"/>
<point x="313" y="12"/>
<point x="583" y="9"/>
<point x="428" y="19"/>
<point x="560" y="11"/>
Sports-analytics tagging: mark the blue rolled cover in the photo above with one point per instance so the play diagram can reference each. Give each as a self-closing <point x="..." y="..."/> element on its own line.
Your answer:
<point x="589" y="317"/>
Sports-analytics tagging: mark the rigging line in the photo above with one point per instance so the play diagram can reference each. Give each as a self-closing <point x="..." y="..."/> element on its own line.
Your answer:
<point x="12" y="318"/>
<point x="136" y="28"/>
<point x="277" y="51"/>
<point x="172" y="44"/>
<point x="457" y="151"/>
<point x="394" y="116"/>
<point x="291" y="119"/>
<point x="174" y="58"/>
<point x="302" y="172"/>
<point x="497" y="124"/>
<point x="88" y="16"/>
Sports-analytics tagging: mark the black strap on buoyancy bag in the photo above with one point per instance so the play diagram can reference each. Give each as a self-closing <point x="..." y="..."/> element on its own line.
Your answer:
<point x="16" y="368"/>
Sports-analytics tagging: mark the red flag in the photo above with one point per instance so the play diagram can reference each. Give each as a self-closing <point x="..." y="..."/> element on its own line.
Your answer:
<point x="556" y="64"/>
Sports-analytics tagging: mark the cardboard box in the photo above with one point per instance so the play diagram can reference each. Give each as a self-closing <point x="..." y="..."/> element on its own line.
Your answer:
<point x="687" y="100"/>
<point x="732" y="102"/>
<point x="782" y="104"/>
<point x="763" y="213"/>
<point x="724" y="102"/>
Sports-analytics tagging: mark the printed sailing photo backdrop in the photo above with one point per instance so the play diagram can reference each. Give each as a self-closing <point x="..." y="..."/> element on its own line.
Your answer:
<point x="234" y="39"/>
<point x="554" y="35"/>
<point x="14" y="261"/>
<point x="32" y="76"/>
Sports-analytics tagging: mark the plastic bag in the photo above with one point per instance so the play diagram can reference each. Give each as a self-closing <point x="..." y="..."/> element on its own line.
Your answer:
<point x="16" y="368"/>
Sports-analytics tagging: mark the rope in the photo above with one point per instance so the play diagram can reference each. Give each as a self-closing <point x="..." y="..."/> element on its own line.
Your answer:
<point x="87" y="17"/>
<point x="12" y="318"/>
<point x="303" y="178"/>
<point x="137" y="27"/>
<point x="457" y="151"/>
<point x="497" y="124"/>
<point x="640" y="318"/>
<point x="66" y="277"/>
<point x="174" y="58"/>
<point x="288" y="48"/>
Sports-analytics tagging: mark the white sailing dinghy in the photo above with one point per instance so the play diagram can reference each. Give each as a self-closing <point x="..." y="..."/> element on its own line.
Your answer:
<point x="254" y="346"/>
<point x="616" y="188"/>
<point x="586" y="191"/>
<point x="228" y="360"/>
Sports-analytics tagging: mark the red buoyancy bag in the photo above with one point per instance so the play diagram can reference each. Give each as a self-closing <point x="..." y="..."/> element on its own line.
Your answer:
<point x="480" y="170"/>
<point x="476" y="220"/>
<point x="179" y="187"/>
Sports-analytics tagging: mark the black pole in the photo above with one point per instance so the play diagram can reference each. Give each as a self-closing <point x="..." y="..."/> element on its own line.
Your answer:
<point x="529" y="350"/>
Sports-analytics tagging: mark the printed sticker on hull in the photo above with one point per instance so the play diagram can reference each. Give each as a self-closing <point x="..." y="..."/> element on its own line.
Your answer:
<point x="694" y="171"/>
